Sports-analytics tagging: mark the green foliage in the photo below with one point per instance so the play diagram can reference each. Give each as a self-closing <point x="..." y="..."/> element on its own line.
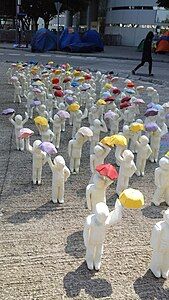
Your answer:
<point x="163" y="3"/>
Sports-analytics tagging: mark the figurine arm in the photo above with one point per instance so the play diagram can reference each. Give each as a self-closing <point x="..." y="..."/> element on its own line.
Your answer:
<point x="92" y="163"/>
<point x="28" y="146"/>
<point x="149" y="152"/>
<point x="51" y="120"/>
<point x="51" y="165"/>
<point x="86" y="231"/>
<point x="51" y="135"/>
<point x="70" y="147"/>
<point x="103" y="126"/>
<point x="26" y="118"/>
<point x="88" y="196"/>
<point x="157" y="177"/>
<point x="155" y="237"/>
<point x="115" y="215"/>
<point x="66" y="173"/>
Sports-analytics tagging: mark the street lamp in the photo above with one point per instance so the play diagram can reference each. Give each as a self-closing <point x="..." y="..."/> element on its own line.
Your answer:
<point x="58" y="5"/>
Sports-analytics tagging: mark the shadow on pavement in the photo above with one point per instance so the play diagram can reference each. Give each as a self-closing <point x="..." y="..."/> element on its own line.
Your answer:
<point x="75" y="245"/>
<point x="149" y="287"/>
<point x="154" y="212"/>
<point x="38" y="213"/>
<point x="82" y="279"/>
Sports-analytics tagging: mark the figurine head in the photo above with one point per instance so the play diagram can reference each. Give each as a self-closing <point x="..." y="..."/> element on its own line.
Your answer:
<point x="36" y="145"/>
<point x="101" y="212"/>
<point x="42" y="107"/>
<point x="61" y="106"/>
<point x="126" y="129"/>
<point x="56" y="118"/>
<point x="166" y="216"/>
<point x="50" y="97"/>
<point x="128" y="156"/>
<point x="96" y="123"/>
<point x="140" y="121"/>
<point x="144" y="140"/>
<point x="18" y="119"/>
<point x="59" y="162"/>
<point x="164" y="163"/>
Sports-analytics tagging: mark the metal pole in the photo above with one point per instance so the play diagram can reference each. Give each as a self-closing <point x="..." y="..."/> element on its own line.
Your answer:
<point x="16" y="22"/>
<point x="58" y="31"/>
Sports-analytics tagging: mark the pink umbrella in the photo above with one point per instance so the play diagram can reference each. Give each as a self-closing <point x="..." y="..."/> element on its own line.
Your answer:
<point x="8" y="111"/>
<point x="36" y="90"/>
<point x="25" y="133"/>
<point x="48" y="147"/>
<point x="63" y="114"/>
<point x="110" y="114"/>
<point x="14" y="78"/>
<point x="139" y="101"/>
<point x="86" y="131"/>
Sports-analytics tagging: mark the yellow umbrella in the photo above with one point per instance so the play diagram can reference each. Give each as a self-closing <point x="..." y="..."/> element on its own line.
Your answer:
<point x="119" y="140"/>
<point x="135" y="127"/>
<point x="107" y="86"/>
<point x="107" y="141"/>
<point x="50" y="62"/>
<point x="58" y="72"/>
<point x="81" y="79"/>
<point x="101" y="102"/>
<point x="73" y="107"/>
<point x="131" y="198"/>
<point x="41" y="121"/>
<point x="167" y="154"/>
<point x="76" y="73"/>
<point x="68" y="73"/>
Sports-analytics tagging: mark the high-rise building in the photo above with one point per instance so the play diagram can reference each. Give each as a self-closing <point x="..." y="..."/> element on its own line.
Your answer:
<point x="132" y="19"/>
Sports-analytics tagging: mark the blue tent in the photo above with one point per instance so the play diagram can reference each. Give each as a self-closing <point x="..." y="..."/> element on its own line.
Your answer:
<point x="44" y="40"/>
<point x="89" y="42"/>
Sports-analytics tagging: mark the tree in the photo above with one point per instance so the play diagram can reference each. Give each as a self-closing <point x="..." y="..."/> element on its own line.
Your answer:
<point x="163" y="3"/>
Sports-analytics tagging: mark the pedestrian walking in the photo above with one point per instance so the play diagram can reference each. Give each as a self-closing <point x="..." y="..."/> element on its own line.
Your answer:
<point x="147" y="55"/>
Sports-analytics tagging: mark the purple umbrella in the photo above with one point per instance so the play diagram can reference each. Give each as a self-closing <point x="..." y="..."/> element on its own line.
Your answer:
<point x="63" y="114"/>
<point x="69" y="100"/>
<point x="48" y="147"/>
<point x="151" y="112"/>
<point x="151" y="127"/>
<point x="8" y="111"/>
<point x="167" y="116"/>
<point x="110" y="114"/>
<point x="35" y="103"/>
<point x="150" y="105"/>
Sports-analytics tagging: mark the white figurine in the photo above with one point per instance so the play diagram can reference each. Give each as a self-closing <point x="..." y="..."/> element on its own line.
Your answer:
<point x="114" y="123"/>
<point x="155" y="139"/>
<point x="60" y="174"/>
<point x="18" y="124"/>
<point x="134" y="137"/>
<point x="127" y="169"/>
<point x="56" y="130"/>
<point x="75" y="151"/>
<point x="39" y="159"/>
<point x="42" y="111"/>
<point x="93" y="114"/>
<point x="96" y="191"/>
<point x="97" y="158"/>
<point x="95" y="231"/>
<point x="143" y="153"/>
<point x="97" y="127"/>
<point x="161" y="181"/>
<point x="47" y="134"/>
<point x="159" y="264"/>
<point x="77" y="121"/>
<point x="17" y="92"/>
<point x="9" y="75"/>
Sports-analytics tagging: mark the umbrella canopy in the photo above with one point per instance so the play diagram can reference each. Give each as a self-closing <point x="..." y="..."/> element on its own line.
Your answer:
<point x="63" y="114"/>
<point x="55" y="80"/>
<point x="115" y="91"/>
<point x="8" y="111"/>
<point x="110" y="114"/>
<point x="151" y="127"/>
<point x="107" y="170"/>
<point x="68" y="92"/>
<point x="101" y="102"/>
<point x="107" y="141"/>
<point x="151" y="112"/>
<point x="109" y="99"/>
<point x="25" y="133"/>
<point x="136" y="127"/>
<point x="58" y="93"/>
<point x="69" y="100"/>
<point x="130" y="84"/>
<point x="67" y="79"/>
<point x="107" y="86"/>
<point x="58" y="72"/>
<point x="125" y="104"/>
<point x="87" y="77"/>
<point x="73" y="107"/>
<point x="119" y="140"/>
<point x="125" y="99"/>
<point x="130" y="91"/>
<point x="41" y="121"/>
<point x="131" y="198"/>
<point x="105" y="95"/>
<point x="48" y="147"/>
<point x="86" y="131"/>
<point x="74" y="83"/>
<point x="138" y="101"/>
<point x="35" y="103"/>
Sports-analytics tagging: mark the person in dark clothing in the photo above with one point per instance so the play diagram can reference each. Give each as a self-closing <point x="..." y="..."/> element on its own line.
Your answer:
<point x="146" y="57"/>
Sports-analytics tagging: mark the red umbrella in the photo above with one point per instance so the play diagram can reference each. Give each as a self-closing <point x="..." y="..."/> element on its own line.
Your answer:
<point x="58" y="93"/>
<point x="67" y="79"/>
<point x="115" y="91"/>
<point x="125" y="99"/>
<point x="87" y="77"/>
<point x="125" y="104"/>
<point x="57" y="87"/>
<point x="107" y="170"/>
<point x="55" y="80"/>
<point x="109" y="99"/>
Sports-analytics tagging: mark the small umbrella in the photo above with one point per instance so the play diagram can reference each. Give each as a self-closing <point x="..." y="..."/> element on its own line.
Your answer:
<point x="63" y="114"/>
<point x="69" y="100"/>
<point x="87" y="77"/>
<point x="107" y="86"/>
<point x="41" y="121"/>
<point x="110" y="114"/>
<point x="48" y="147"/>
<point x="116" y="91"/>
<point x="130" y="84"/>
<point x="138" y="101"/>
<point x="36" y="90"/>
<point x="109" y="99"/>
<point x="151" y="112"/>
<point x="69" y="92"/>
<point x="85" y="87"/>
<point x="136" y="127"/>
<point x="107" y="141"/>
<point x="167" y="116"/>
<point x="8" y="111"/>
<point x="50" y="62"/>
<point x="131" y="198"/>
<point x="25" y="133"/>
<point x="74" y="84"/>
<point x="101" y="102"/>
<point x="14" y="78"/>
<point x="67" y="79"/>
<point x="125" y="99"/>
<point x="57" y="71"/>
<point x="107" y="170"/>
<point x="86" y="131"/>
<point x="76" y="73"/>
<point x="105" y="95"/>
<point x="37" y="83"/>
<point x="35" y="103"/>
<point x="125" y="104"/>
<point x="80" y="79"/>
<point x="119" y="140"/>
<point x="130" y="91"/>
<point x="57" y="87"/>
<point x="73" y="107"/>
<point x="151" y="127"/>
<point x="55" y="80"/>
<point x="58" y="93"/>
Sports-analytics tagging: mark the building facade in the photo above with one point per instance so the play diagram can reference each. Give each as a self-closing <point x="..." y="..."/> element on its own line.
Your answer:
<point x="133" y="19"/>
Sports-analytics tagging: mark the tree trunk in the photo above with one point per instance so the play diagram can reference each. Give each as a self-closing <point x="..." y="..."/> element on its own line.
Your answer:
<point x="35" y="24"/>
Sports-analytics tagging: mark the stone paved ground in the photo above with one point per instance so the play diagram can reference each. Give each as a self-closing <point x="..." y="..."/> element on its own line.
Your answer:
<point x="41" y="245"/>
